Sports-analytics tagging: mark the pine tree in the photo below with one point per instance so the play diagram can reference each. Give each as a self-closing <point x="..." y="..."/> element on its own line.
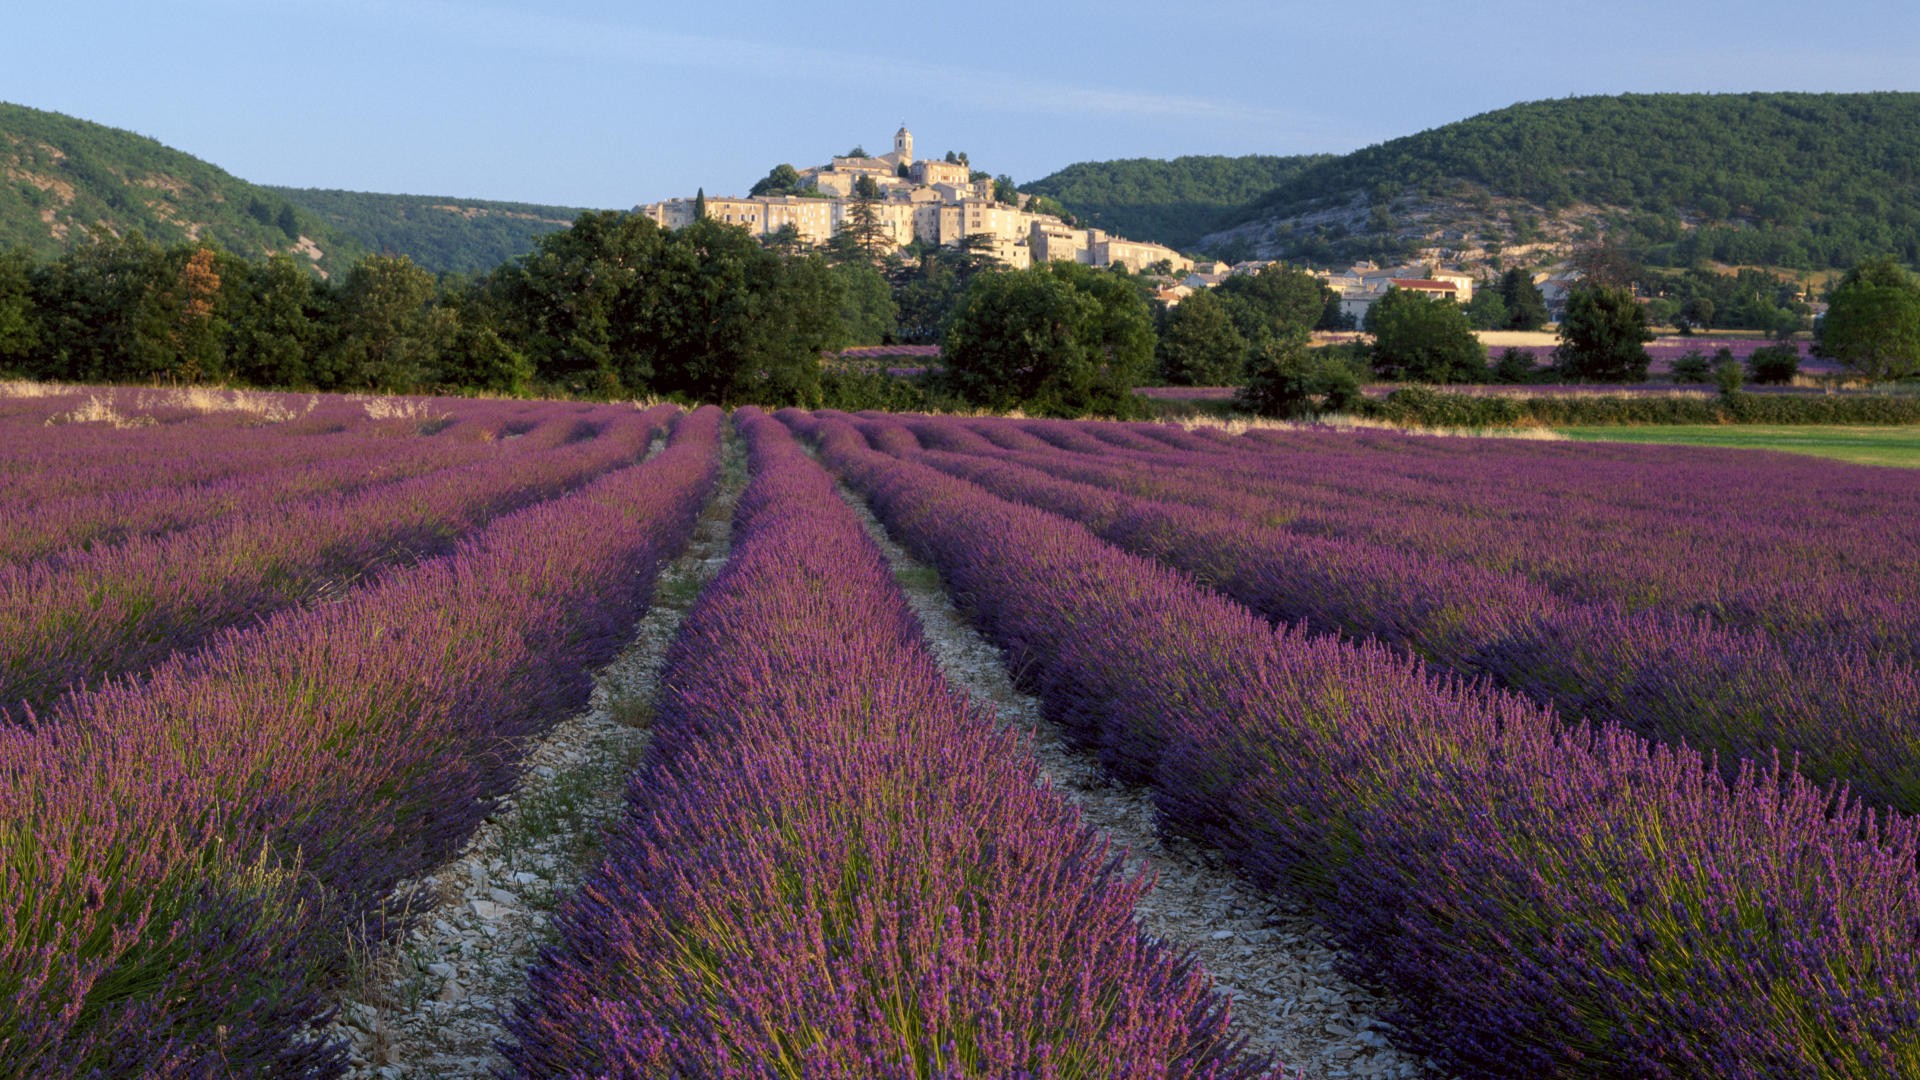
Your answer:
<point x="699" y="204"/>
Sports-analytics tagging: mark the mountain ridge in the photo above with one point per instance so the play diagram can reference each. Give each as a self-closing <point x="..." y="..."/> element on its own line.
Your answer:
<point x="1800" y="180"/>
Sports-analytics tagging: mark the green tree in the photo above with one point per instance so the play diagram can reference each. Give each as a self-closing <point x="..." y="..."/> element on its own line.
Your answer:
<point x="1199" y="345"/>
<point x="1058" y="339"/>
<point x="862" y="235"/>
<point x="1279" y="302"/>
<point x="270" y="312"/>
<point x="19" y="323"/>
<point x="867" y="307"/>
<point x="584" y="303"/>
<point x="1693" y="368"/>
<point x="123" y="309"/>
<point x="929" y="289"/>
<point x="388" y="333"/>
<point x="1526" y="307"/>
<point x="1697" y="313"/>
<point x="1774" y="365"/>
<point x="737" y="324"/>
<point x="1604" y="335"/>
<point x="1872" y="325"/>
<point x="1487" y="310"/>
<point x="1044" y="204"/>
<point x="1287" y="379"/>
<point x="1420" y="338"/>
<point x="1515" y="367"/>
<point x="780" y="180"/>
<point x="1004" y="191"/>
<point x="699" y="203"/>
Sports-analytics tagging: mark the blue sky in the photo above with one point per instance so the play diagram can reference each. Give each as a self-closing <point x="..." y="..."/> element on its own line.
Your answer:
<point x="593" y="103"/>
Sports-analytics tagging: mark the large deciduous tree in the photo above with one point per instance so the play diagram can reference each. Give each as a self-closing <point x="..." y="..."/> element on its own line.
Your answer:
<point x="1199" y="345"/>
<point x="1057" y="339"/>
<point x="1872" y="325"/>
<point x="1277" y="303"/>
<point x="388" y="332"/>
<point x="19" y="324"/>
<point x="1420" y="338"/>
<point x="271" y="321"/>
<point x="780" y="180"/>
<point x="1604" y="335"/>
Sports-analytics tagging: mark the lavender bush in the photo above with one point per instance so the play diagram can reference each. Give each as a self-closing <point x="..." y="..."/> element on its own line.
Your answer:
<point x="116" y="610"/>
<point x="185" y="859"/>
<point x="1373" y="556"/>
<point x="1543" y="899"/>
<point x="833" y="866"/>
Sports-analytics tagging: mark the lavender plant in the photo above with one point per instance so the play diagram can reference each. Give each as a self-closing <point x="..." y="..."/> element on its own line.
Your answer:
<point x="118" y="610"/>
<point x="1542" y="898"/>
<point x="833" y="866"/>
<point x="184" y="858"/>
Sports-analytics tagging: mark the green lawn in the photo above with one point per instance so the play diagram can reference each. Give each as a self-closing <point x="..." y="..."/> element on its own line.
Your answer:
<point x="1860" y="445"/>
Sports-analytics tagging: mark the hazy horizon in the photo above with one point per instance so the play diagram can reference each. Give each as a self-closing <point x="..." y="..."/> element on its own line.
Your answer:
<point x="587" y="103"/>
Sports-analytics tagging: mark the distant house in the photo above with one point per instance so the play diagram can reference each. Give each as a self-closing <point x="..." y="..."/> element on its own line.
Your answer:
<point x="1554" y="290"/>
<point x="1447" y="290"/>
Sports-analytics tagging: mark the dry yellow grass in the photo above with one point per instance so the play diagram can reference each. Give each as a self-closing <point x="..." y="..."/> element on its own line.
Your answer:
<point x="98" y="410"/>
<point x="1349" y="424"/>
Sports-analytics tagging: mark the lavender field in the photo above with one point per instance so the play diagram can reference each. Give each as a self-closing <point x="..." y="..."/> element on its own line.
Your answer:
<point x="1578" y="760"/>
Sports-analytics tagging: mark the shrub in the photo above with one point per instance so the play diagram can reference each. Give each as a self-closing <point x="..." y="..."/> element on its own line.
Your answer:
<point x="1775" y="365"/>
<point x="1693" y="368"/>
<point x="1291" y="381"/>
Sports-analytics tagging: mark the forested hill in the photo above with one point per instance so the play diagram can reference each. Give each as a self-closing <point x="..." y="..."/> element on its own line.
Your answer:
<point x="441" y="234"/>
<point x="61" y="178"/>
<point x="1169" y="202"/>
<point x="1783" y="179"/>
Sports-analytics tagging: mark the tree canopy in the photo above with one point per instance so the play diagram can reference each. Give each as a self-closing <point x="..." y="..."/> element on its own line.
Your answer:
<point x="1277" y="302"/>
<point x="1199" y="345"/>
<point x="1421" y="338"/>
<point x="1055" y="339"/>
<point x="1872" y="325"/>
<point x="1603" y="336"/>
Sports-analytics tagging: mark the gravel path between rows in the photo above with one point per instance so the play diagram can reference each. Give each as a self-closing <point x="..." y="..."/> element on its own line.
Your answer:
<point x="431" y="1004"/>
<point x="1270" y="957"/>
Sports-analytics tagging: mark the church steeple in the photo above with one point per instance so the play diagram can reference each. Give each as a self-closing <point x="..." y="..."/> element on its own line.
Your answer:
<point x="903" y="144"/>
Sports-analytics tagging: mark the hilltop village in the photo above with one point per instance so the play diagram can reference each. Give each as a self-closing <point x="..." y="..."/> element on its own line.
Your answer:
<point x="935" y="202"/>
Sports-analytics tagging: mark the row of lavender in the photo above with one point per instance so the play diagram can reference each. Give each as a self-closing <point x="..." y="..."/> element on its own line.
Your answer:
<point x="74" y="486"/>
<point x="833" y="866"/>
<point x="185" y="859"/>
<point x="1785" y="545"/>
<point x="1543" y="899"/>
<point x="1843" y="699"/>
<point x="1778" y="542"/>
<point x="86" y="615"/>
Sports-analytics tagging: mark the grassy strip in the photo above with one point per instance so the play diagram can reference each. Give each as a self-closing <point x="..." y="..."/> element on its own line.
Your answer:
<point x="1860" y="445"/>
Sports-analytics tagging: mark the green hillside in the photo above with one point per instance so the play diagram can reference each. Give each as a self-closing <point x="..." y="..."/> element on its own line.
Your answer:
<point x="1169" y="202"/>
<point x="441" y="234"/>
<point x="1779" y="179"/>
<point x="61" y="178"/>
